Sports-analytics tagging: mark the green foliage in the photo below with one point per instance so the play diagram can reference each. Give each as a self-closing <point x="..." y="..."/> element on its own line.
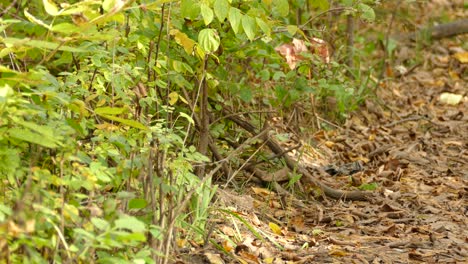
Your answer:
<point x="98" y="100"/>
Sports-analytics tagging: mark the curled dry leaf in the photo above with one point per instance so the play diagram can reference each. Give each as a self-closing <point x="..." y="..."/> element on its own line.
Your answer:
<point x="291" y="51"/>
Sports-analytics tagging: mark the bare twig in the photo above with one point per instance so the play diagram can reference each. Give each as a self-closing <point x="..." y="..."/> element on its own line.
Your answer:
<point x="4" y="11"/>
<point x="411" y="118"/>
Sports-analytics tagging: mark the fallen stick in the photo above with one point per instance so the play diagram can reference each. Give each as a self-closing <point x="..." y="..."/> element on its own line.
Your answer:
<point x="440" y="31"/>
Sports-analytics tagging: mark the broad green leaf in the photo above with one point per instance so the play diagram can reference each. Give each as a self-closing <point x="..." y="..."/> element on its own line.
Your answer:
<point x="221" y="9"/>
<point x="250" y="27"/>
<point x="263" y="26"/>
<point x="128" y="122"/>
<point x="66" y="28"/>
<point x="367" y="12"/>
<point x="235" y="17"/>
<point x="109" y="110"/>
<point x="292" y="29"/>
<point x="189" y="9"/>
<point x="81" y="7"/>
<point x="82" y="232"/>
<point x="31" y="137"/>
<point x="209" y="39"/>
<point x="245" y="94"/>
<point x="280" y="8"/>
<point x="137" y="203"/>
<point x="107" y="5"/>
<point x="99" y="223"/>
<point x="320" y="4"/>
<point x="46" y="131"/>
<point x="131" y="223"/>
<point x="207" y="13"/>
<point x="40" y="44"/>
<point x="181" y="67"/>
<point x="348" y="3"/>
<point x="173" y="98"/>
<point x="50" y="7"/>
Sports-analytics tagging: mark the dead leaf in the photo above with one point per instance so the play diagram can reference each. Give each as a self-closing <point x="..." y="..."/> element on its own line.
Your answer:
<point x="214" y="258"/>
<point x="450" y="98"/>
<point x="461" y="57"/>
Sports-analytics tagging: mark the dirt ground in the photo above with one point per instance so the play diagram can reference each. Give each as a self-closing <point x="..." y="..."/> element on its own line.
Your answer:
<point x="411" y="145"/>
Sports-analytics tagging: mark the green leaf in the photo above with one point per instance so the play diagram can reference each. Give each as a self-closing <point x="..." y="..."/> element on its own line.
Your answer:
<point x="207" y="13"/>
<point x="320" y="4"/>
<point x="292" y="29"/>
<point x="221" y="9"/>
<point x="137" y="203"/>
<point x="209" y="39"/>
<point x="189" y="9"/>
<point x="368" y="186"/>
<point x="100" y="224"/>
<point x="131" y="223"/>
<point x="182" y="114"/>
<point x="245" y="94"/>
<point x="250" y="27"/>
<point x="107" y="5"/>
<point x="40" y="44"/>
<point x="128" y="122"/>
<point x="280" y="8"/>
<point x="367" y="12"/>
<point x="45" y="131"/>
<point x="66" y="28"/>
<point x="263" y="26"/>
<point x="82" y="232"/>
<point x="235" y="17"/>
<point x="50" y="7"/>
<point x="34" y="19"/>
<point x="31" y="137"/>
<point x="109" y="110"/>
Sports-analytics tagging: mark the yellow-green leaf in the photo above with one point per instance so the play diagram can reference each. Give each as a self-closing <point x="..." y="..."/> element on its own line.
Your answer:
<point x="207" y="13"/>
<point x="292" y="29"/>
<point x="275" y="228"/>
<point x="249" y="26"/>
<point x="128" y="122"/>
<point x="183" y="40"/>
<point x="221" y="9"/>
<point x="109" y="110"/>
<point x="235" y="17"/>
<point x="263" y="26"/>
<point x="209" y="39"/>
<point x="31" y="137"/>
<point x="50" y="7"/>
<point x="173" y="97"/>
<point x="280" y="8"/>
<point x="34" y="19"/>
<point x="66" y="28"/>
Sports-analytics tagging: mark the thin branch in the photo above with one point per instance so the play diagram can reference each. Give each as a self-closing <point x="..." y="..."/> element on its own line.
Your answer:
<point x="8" y="8"/>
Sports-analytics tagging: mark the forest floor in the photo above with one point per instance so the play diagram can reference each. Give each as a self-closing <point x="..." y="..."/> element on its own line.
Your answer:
<point x="412" y="144"/>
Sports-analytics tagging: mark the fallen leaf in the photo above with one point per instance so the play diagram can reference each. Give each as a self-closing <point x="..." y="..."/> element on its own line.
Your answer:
<point x="461" y="57"/>
<point x="275" y="228"/>
<point x="450" y="98"/>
